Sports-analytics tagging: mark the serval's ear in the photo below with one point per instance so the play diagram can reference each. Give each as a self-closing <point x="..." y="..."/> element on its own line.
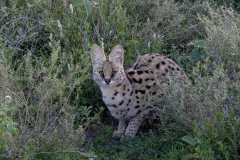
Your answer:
<point x="97" y="54"/>
<point x="117" y="54"/>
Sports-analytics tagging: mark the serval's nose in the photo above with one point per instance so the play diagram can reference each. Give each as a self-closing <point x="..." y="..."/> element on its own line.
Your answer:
<point x="107" y="81"/>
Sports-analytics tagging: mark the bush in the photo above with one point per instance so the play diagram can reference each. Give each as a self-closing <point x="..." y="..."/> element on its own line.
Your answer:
<point x="42" y="76"/>
<point x="41" y="92"/>
<point x="210" y="102"/>
<point x="8" y="128"/>
<point x="222" y="42"/>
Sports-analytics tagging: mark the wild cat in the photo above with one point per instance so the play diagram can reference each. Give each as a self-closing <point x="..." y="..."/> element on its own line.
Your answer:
<point x="125" y="91"/>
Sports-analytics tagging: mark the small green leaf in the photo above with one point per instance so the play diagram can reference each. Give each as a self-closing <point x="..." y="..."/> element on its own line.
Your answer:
<point x="78" y="3"/>
<point x="191" y="156"/>
<point x="199" y="43"/>
<point x="67" y="158"/>
<point x="89" y="8"/>
<point x="89" y="155"/>
<point x="4" y="141"/>
<point x="189" y="140"/>
<point x="196" y="54"/>
<point x="14" y="130"/>
<point x="113" y="12"/>
<point x="11" y="109"/>
<point x="2" y="113"/>
<point x="26" y="158"/>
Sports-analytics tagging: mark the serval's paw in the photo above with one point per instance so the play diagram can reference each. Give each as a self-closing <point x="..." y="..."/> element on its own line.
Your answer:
<point x="117" y="135"/>
<point x="129" y="135"/>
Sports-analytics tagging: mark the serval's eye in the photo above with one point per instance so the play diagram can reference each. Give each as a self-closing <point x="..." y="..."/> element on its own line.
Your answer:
<point x="114" y="73"/>
<point x="101" y="73"/>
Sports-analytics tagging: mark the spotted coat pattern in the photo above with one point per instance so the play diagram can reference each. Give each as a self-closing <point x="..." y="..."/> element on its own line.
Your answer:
<point x="125" y="91"/>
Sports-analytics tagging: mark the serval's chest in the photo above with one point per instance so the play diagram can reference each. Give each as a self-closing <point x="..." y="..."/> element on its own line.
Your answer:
<point x="119" y="99"/>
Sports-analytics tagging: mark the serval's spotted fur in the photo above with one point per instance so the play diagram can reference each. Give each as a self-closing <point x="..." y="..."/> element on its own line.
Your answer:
<point x="125" y="91"/>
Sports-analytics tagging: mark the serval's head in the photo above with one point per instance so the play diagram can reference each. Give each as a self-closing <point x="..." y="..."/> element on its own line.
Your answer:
<point x="107" y="70"/>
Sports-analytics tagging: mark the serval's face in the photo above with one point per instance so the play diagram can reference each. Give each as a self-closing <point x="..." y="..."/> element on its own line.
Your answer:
<point x="107" y="70"/>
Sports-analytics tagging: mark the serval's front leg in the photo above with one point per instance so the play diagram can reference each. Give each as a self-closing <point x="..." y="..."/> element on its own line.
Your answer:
<point x="134" y="125"/>
<point x="121" y="128"/>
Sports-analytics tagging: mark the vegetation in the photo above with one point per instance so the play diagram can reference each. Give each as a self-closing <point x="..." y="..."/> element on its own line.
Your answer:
<point x="51" y="109"/>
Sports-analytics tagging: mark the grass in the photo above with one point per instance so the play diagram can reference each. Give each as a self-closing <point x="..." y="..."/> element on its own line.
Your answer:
<point x="147" y="145"/>
<point x="50" y="108"/>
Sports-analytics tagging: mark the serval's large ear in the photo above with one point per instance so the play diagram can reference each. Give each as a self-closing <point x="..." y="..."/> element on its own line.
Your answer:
<point x="97" y="54"/>
<point x="117" y="54"/>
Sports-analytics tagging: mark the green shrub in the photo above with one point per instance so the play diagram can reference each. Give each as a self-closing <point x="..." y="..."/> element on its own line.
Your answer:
<point x="227" y="4"/>
<point x="220" y="141"/>
<point x="209" y="103"/>
<point x="42" y="75"/>
<point x="41" y="92"/>
<point x="222" y="42"/>
<point x="8" y="128"/>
